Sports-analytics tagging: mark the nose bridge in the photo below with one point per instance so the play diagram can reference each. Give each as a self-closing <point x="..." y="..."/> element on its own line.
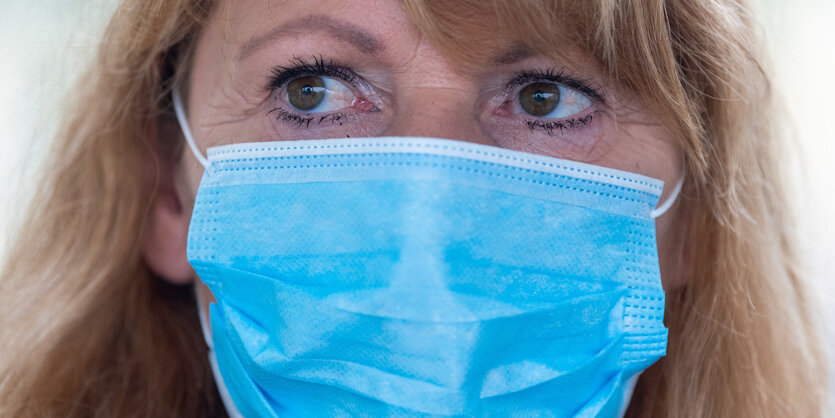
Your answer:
<point x="439" y="111"/>
<point x="435" y="99"/>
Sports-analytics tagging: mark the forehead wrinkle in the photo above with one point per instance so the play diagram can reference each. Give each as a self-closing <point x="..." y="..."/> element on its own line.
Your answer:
<point x="361" y="39"/>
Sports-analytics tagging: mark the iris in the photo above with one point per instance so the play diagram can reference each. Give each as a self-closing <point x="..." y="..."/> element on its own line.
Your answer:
<point x="539" y="99"/>
<point x="306" y="93"/>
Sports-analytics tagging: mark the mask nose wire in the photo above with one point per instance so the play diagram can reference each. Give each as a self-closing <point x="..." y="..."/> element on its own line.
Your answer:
<point x="664" y="207"/>
<point x="181" y="119"/>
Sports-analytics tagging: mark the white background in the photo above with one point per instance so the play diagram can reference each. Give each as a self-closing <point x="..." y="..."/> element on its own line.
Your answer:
<point x="45" y="43"/>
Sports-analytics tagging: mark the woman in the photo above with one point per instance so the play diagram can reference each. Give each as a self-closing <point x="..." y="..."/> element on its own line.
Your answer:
<point x="99" y="316"/>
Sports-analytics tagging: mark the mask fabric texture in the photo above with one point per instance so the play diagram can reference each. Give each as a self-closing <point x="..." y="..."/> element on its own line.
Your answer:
<point x="426" y="277"/>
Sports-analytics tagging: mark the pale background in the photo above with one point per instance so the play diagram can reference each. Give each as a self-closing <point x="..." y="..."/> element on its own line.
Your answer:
<point x="44" y="44"/>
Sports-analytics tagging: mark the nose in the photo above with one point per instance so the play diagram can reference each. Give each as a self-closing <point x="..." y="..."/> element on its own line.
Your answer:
<point x="448" y="112"/>
<point x="435" y="99"/>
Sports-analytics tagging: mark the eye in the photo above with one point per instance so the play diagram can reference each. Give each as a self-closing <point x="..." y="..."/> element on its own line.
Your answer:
<point x="550" y="100"/>
<point x="315" y="94"/>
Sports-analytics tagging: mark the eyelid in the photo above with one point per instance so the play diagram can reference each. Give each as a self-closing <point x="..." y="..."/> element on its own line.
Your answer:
<point x="300" y="68"/>
<point x="582" y="86"/>
<point x="364" y="96"/>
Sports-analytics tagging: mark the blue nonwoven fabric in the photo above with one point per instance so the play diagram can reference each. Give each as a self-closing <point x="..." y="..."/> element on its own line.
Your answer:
<point x="426" y="277"/>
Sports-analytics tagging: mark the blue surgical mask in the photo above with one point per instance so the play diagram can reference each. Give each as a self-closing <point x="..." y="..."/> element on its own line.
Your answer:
<point x="425" y="277"/>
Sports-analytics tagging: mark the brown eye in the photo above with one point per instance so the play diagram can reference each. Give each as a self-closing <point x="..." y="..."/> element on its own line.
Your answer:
<point x="306" y="93"/>
<point x="539" y="99"/>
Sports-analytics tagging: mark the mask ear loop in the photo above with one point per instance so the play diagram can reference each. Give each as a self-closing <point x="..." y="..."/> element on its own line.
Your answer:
<point x="225" y="397"/>
<point x="204" y="321"/>
<point x="181" y="119"/>
<point x="660" y="210"/>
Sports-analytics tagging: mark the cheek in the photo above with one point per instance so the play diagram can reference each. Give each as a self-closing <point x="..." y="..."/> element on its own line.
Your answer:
<point x="670" y="238"/>
<point x="648" y="150"/>
<point x="587" y="139"/>
<point x="188" y="180"/>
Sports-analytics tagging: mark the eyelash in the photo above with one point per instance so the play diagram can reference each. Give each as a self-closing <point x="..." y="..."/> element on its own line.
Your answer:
<point x="300" y="68"/>
<point x="561" y="125"/>
<point x="319" y="67"/>
<point x="304" y="121"/>
<point x="555" y="76"/>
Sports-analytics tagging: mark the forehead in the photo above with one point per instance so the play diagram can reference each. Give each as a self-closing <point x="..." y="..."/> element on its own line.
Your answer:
<point x="464" y="31"/>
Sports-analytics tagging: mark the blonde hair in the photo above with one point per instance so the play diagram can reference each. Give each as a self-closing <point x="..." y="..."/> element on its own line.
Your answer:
<point x="88" y="330"/>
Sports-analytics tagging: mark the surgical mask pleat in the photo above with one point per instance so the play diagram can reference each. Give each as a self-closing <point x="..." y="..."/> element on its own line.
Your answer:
<point x="426" y="278"/>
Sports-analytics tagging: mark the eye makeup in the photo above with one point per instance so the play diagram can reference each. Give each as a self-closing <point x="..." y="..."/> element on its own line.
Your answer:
<point x="560" y="77"/>
<point x="302" y="121"/>
<point x="299" y="68"/>
<point x="340" y="109"/>
<point x="561" y="126"/>
<point x="579" y="96"/>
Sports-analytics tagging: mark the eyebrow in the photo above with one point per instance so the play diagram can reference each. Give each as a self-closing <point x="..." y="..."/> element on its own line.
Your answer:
<point x="513" y="54"/>
<point x="361" y="39"/>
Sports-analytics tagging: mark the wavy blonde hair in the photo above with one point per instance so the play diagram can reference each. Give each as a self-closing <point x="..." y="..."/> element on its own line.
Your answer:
<point x="88" y="330"/>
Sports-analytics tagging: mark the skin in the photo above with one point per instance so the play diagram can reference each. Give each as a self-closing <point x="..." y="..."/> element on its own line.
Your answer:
<point x="417" y="92"/>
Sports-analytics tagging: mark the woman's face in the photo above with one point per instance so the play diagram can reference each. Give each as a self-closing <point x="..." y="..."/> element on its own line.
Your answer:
<point x="306" y="69"/>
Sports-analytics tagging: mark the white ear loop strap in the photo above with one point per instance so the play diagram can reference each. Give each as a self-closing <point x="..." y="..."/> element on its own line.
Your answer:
<point x="181" y="118"/>
<point x="660" y="210"/>
<point x="204" y="321"/>
<point x="228" y="403"/>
